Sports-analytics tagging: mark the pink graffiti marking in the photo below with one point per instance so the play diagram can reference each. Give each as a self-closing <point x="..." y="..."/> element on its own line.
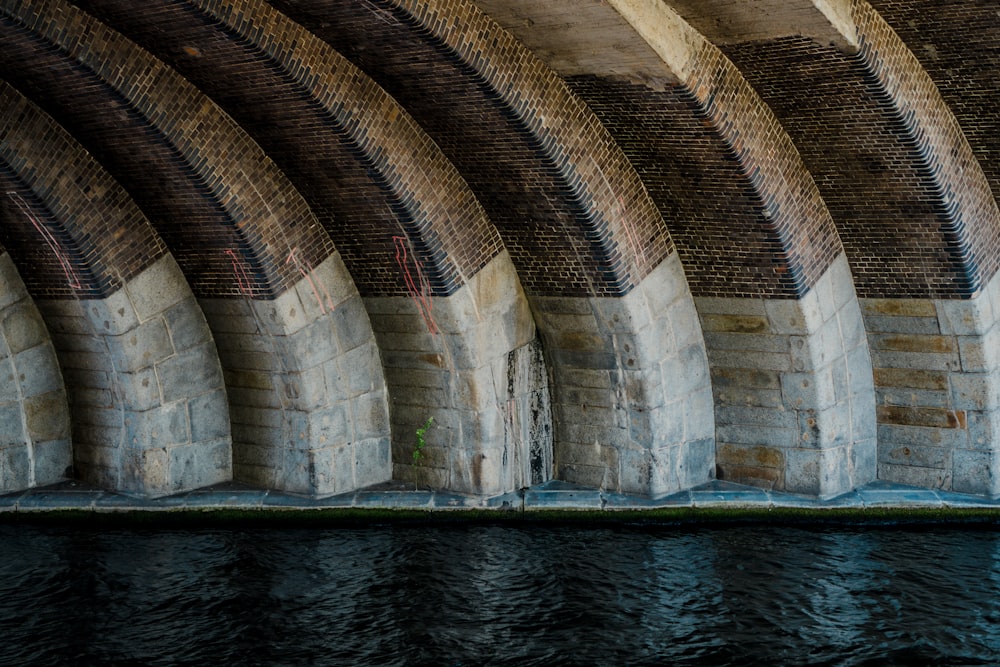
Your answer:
<point x="306" y="271"/>
<point x="239" y="271"/>
<point x="382" y="14"/>
<point x="418" y="289"/>
<point x="633" y="239"/>
<point x="72" y="278"/>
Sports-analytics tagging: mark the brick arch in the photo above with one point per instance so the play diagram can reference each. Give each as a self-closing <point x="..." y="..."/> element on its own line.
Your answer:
<point x="449" y="314"/>
<point x="341" y="137"/>
<point x="589" y="247"/>
<point x="139" y="369"/>
<point x="957" y="45"/>
<point x="873" y="105"/>
<point x="969" y="219"/>
<point x="164" y="122"/>
<point x="759" y="248"/>
<point x="603" y="211"/>
<point x="920" y="228"/>
<point x="268" y="278"/>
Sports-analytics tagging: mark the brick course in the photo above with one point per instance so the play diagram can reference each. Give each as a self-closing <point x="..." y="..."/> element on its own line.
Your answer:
<point x="172" y="149"/>
<point x="958" y="45"/>
<point x="915" y="214"/>
<point x="368" y="177"/>
<point x="575" y="218"/>
<point x="83" y="224"/>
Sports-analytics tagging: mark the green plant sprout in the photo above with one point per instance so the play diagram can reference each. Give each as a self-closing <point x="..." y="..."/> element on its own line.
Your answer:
<point x="418" y="450"/>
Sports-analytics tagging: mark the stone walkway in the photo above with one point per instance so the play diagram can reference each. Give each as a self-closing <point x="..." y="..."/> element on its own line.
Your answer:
<point x="555" y="495"/>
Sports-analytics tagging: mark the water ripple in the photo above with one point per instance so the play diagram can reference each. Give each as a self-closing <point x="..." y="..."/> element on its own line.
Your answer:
<point x="492" y="595"/>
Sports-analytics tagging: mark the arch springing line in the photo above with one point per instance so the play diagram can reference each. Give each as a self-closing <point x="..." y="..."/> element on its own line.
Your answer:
<point x="306" y="272"/>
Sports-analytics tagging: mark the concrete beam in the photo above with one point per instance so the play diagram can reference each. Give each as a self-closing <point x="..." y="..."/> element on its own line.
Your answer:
<point x="735" y="21"/>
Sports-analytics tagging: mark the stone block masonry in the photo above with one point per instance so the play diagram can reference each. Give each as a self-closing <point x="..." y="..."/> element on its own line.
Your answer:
<point x="632" y="407"/>
<point x="306" y="391"/>
<point x="624" y="244"/>
<point x="148" y="404"/>
<point x="794" y="400"/>
<point x="936" y="365"/>
<point x="470" y="361"/>
<point x="34" y="415"/>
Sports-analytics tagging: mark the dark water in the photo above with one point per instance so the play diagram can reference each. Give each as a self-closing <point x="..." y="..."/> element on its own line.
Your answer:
<point x="498" y="595"/>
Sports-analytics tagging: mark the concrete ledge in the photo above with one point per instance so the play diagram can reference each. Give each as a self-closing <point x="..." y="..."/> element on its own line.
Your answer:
<point x="714" y="502"/>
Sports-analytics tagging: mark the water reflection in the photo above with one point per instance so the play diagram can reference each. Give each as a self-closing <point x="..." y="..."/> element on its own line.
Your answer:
<point x="498" y="595"/>
<point x="792" y="595"/>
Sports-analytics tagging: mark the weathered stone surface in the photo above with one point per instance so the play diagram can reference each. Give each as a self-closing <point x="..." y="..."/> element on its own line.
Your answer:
<point x="53" y="461"/>
<point x="23" y="327"/>
<point x="208" y="415"/>
<point x="929" y="478"/>
<point x="186" y="324"/>
<point x="976" y="472"/>
<point x="963" y="317"/>
<point x="803" y="382"/>
<point x="904" y="434"/>
<point x="655" y="469"/>
<point x="11" y="425"/>
<point x="751" y="455"/>
<point x="910" y="378"/>
<point x="140" y="390"/>
<point x="201" y="464"/>
<point x="34" y="413"/>
<point x="906" y="325"/>
<point x="916" y="455"/>
<point x="915" y="343"/>
<point x="16" y="469"/>
<point x="899" y="307"/>
<point x="745" y="324"/>
<point x="37" y="371"/>
<point x="111" y="316"/>
<point x="156" y="289"/>
<point x="167" y="425"/>
<point x="189" y="373"/>
<point x="932" y="417"/>
<point x="47" y="418"/>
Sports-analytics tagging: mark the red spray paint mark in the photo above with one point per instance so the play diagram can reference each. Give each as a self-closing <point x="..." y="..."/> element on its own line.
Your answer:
<point x="305" y="270"/>
<point x="242" y="277"/>
<point x="419" y="289"/>
<point x="72" y="278"/>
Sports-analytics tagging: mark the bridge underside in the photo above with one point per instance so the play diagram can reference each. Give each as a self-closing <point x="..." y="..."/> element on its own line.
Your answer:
<point x="477" y="246"/>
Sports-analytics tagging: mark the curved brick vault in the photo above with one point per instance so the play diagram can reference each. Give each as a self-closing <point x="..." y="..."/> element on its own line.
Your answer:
<point x="272" y="287"/>
<point x="142" y="375"/>
<point x="744" y="238"/>
<point x="450" y="318"/>
<point x="916" y="213"/>
<point x="596" y="261"/>
<point x="782" y="324"/>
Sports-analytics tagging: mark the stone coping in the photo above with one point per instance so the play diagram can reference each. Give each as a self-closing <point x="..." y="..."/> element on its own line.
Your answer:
<point x="879" y="501"/>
